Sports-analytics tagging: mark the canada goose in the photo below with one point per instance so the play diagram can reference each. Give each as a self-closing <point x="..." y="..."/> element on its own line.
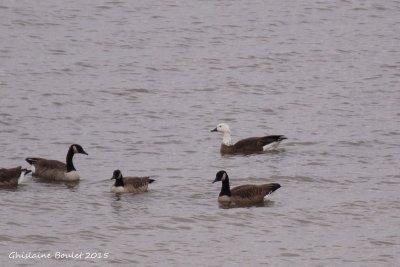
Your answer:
<point x="12" y="176"/>
<point x="55" y="170"/>
<point x="248" y="145"/>
<point x="129" y="184"/>
<point x="243" y="194"/>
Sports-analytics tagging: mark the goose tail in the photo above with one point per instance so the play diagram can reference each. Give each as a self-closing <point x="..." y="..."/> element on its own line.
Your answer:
<point x="26" y="171"/>
<point x="30" y="160"/>
<point x="271" y="142"/>
<point x="281" y="137"/>
<point x="270" y="188"/>
<point x="274" y="187"/>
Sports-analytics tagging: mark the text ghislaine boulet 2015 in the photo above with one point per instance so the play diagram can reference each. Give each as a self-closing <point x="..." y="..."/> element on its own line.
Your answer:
<point x="58" y="255"/>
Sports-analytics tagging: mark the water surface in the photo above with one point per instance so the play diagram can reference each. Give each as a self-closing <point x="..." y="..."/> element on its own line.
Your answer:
<point x="140" y="84"/>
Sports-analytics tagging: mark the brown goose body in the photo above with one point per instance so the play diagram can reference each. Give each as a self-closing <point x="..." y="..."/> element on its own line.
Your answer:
<point x="243" y="194"/>
<point x="248" y="194"/>
<point x="253" y="144"/>
<point x="248" y="145"/>
<point x="12" y="176"/>
<point x="130" y="184"/>
<point x="54" y="170"/>
<point x="48" y="169"/>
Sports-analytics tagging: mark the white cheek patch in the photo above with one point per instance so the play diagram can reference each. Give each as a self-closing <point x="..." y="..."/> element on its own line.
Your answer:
<point x="223" y="177"/>
<point x="75" y="149"/>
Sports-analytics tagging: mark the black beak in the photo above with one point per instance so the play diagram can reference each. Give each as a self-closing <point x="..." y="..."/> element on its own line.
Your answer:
<point x="113" y="178"/>
<point x="215" y="180"/>
<point x="214" y="130"/>
<point x="84" y="152"/>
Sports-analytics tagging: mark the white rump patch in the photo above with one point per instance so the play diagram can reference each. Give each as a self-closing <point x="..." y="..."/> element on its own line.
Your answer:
<point x="21" y="177"/>
<point x="271" y="146"/>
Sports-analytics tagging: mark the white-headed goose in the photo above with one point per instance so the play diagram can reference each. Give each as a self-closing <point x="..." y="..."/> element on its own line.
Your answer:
<point x="12" y="177"/>
<point x="129" y="184"/>
<point x="248" y="145"/>
<point x="54" y="170"/>
<point x="243" y="194"/>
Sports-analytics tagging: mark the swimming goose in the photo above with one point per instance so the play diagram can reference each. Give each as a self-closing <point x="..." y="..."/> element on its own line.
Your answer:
<point x="55" y="170"/>
<point x="243" y="194"/>
<point x="248" y="145"/>
<point x="12" y="176"/>
<point x="129" y="184"/>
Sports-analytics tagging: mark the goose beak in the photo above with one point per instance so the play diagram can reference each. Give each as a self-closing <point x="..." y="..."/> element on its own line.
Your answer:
<point x="112" y="178"/>
<point x="84" y="152"/>
<point x="215" y="180"/>
<point x="214" y="130"/>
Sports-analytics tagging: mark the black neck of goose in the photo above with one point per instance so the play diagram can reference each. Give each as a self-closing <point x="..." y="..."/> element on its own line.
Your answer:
<point x="225" y="190"/>
<point x="119" y="182"/>
<point x="70" y="155"/>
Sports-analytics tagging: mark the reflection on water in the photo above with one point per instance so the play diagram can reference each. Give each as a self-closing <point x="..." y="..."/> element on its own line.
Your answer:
<point x="50" y="183"/>
<point x="265" y="203"/>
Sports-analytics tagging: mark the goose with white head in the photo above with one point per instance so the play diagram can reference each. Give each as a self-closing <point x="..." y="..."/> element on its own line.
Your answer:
<point x="244" y="194"/>
<point x="248" y="145"/>
<point x="54" y="170"/>
<point x="129" y="184"/>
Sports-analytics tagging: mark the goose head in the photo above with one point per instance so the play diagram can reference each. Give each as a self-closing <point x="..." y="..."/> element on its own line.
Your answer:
<point x="222" y="127"/>
<point x="117" y="175"/>
<point x="221" y="176"/>
<point x="78" y="149"/>
<point x="119" y="181"/>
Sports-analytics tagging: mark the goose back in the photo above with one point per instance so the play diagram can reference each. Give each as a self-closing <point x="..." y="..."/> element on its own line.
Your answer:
<point x="48" y="169"/>
<point x="253" y="144"/>
<point x="129" y="184"/>
<point x="248" y="193"/>
<point x="136" y="184"/>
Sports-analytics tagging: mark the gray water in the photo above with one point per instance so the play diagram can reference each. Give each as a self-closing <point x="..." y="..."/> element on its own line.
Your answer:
<point x="140" y="84"/>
